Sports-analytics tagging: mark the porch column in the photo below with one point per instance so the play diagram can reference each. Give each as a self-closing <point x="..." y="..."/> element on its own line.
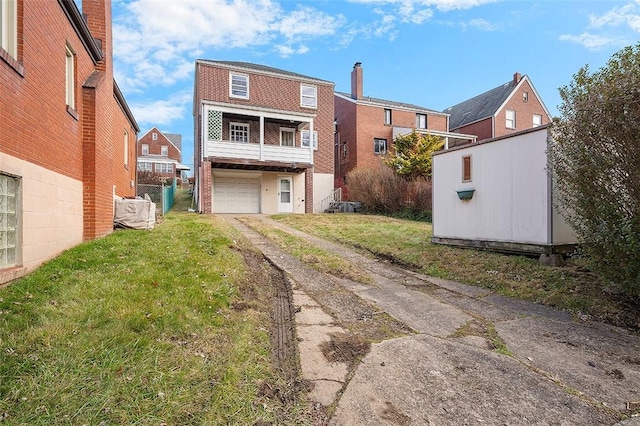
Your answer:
<point x="308" y="190"/>
<point x="311" y="146"/>
<point x="261" y="136"/>
<point x="206" y="187"/>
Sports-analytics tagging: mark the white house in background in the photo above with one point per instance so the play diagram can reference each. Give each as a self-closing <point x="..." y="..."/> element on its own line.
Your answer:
<point x="497" y="195"/>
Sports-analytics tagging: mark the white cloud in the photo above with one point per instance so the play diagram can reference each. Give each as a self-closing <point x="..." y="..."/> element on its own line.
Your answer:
<point x="628" y="14"/>
<point x="482" y="24"/>
<point x="161" y="112"/>
<point x="593" y="41"/>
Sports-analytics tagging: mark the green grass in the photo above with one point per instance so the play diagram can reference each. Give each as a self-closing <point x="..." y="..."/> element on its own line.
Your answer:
<point x="136" y="328"/>
<point x="571" y="288"/>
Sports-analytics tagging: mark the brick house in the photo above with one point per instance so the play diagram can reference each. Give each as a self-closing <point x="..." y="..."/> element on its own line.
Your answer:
<point x="161" y="153"/>
<point x="68" y="138"/>
<point x="365" y="127"/>
<point x="508" y="108"/>
<point x="263" y="139"/>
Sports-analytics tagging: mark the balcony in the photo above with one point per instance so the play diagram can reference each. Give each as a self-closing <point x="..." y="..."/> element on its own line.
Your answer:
<point x="252" y="137"/>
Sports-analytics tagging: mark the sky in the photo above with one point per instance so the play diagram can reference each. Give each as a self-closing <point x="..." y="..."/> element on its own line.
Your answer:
<point x="432" y="53"/>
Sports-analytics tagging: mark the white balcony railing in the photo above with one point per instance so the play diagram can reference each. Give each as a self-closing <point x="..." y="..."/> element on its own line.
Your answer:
<point x="252" y="151"/>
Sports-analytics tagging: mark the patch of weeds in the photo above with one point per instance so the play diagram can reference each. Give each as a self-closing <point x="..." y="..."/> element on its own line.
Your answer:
<point x="486" y="330"/>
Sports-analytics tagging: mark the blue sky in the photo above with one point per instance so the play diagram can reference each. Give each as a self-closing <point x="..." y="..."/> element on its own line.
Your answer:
<point x="433" y="53"/>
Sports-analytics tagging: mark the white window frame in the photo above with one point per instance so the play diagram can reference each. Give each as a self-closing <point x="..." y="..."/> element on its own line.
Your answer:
<point x="154" y="136"/>
<point x="236" y="129"/>
<point x="525" y="96"/>
<point x="238" y="90"/>
<point x="539" y="120"/>
<point x="308" y="96"/>
<point x="376" y="146"/>
<point x="70" y="77"/>
<point x="510" y="122"/>
<point x="164" y="168"/>
<point x="9" y="27"/>
<point x="9" y="250"/>
<point x="387" y="116"/>
<point x="304" y="139"/>
<point x="125" y="146"/>
<point x="419" y="117"/>
<point x="145" y="166"/>
<point x="290" y="131"/>
<point x="164" y="150"/>
<point x="145" y="149"/>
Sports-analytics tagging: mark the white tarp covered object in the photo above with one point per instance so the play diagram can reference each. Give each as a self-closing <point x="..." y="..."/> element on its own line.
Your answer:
<point x="135" y="214"/>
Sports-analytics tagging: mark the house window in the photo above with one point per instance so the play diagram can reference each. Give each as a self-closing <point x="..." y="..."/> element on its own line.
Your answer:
<point x="8" y="220"/>
<point x="421" y="121"/>
<point x="125" y="146"/>
<point x="9" y="27"/>
<point x="164" y="168"/>
<point x="537" y="120"/>
<point x="239" y="132"/>
<point x="70" y="78"/>
<point x="308" y="96"/>
<point x="525" y="96"/>
<point x="239" y="86"/>
<point x="145" y="149"/>
<point x="164" y="150"/>
<point x="287" y="137"/>
<point x="511" y="119"/>
<point x="344" y="150"/>
<point x="380" y="146"/>
<point x="466" y="168"/>
<point x="387" y="116"/>
<point x="154" y="136"/>
<point x="144" y="166"/>
<point x="304" y="136"/>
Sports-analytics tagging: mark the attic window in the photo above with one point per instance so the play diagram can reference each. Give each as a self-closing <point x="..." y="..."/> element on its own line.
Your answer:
<point x="239" y="86"/>
<point x="154" y="136"/>
<point x="525" y="96"/>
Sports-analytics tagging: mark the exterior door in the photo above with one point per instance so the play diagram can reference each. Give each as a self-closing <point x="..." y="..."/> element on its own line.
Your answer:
<point x="285" y="195"/>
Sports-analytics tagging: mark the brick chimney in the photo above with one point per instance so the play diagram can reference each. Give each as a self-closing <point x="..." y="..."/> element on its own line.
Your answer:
<point x="98" y="17"/>
<point x="517" y="77"/>
<point x="356" y="81"/>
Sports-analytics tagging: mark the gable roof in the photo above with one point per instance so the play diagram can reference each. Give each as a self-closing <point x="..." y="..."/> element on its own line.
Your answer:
<point x="261" y="68"/>
<point x="387" y="103"/>
<point x="481" y="106"/>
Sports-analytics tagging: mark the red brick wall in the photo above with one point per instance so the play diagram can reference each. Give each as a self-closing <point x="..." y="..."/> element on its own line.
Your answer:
<point x="483" y="129"/>
<point x="123" y="175"/>
<point x="155" y="147"/>
<point x="524" y="111"/>
<point x="345" y="112"/>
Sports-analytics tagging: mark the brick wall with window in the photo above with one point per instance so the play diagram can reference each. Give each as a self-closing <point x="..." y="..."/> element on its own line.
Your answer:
<point x="524" y="111"/>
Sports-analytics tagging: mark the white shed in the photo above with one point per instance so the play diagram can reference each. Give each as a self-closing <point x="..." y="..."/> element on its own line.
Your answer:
<point x="496" y="194"/>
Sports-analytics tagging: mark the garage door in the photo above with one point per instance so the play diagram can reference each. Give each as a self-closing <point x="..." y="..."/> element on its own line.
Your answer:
<point x="236" y="195"/>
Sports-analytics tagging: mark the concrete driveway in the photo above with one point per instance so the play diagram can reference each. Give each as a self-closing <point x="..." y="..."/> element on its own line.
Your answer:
<point x="553" y="369"/>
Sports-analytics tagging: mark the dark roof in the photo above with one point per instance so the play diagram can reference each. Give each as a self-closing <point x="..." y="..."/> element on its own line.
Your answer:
<point x="175" y="139"/>
<point x="390" y="103"/>
<point x="263" y="68"/>
<point x="479" y="107"/>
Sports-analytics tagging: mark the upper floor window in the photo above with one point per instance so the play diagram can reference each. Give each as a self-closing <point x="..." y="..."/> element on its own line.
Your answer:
<point x="466" y="168"/>
<point x="287" y="137"/>
<point x="9" y="26"/>
<point x="145" y="149"/>
<point x="304" y="139"/>
<point x="9" y="189"/>
<point x="525" y="96"/>
<point x="239" y="86"/>
<point x="125" y="147"/>
<point x="510" y="119"/>
<point x="164" y="150"/>
<point x="154" y="136"/>
<point x="70" y="77"/>
<point x="421" y="121"/>
<point x="537" y="120"/>
<point x="239" y="132"/>
<point x="379" y="146"/>
<point x="308" y="96"/>
<point x="387" y="116"/>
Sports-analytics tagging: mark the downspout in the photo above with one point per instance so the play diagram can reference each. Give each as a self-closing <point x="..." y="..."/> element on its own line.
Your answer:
<point x="549" y="194"/>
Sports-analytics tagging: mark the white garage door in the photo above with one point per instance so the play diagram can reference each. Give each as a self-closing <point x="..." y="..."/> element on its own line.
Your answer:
<point x="236" y="195"/>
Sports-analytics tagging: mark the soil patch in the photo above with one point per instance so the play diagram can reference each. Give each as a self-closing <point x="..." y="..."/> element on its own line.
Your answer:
<point x="347" y="348"/>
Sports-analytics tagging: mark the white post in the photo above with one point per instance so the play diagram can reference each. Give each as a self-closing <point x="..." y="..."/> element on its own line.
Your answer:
<point x="261" y="137"/>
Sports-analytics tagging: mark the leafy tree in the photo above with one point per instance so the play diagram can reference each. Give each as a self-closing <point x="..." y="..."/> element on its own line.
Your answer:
<point x="410" y="155"/>
<point x="595" y="162"/>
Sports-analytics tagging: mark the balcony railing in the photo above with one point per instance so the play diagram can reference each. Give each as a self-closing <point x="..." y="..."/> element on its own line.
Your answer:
<point x="254" y="151"/>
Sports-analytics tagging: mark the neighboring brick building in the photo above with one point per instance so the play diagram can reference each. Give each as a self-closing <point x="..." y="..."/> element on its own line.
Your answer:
<point x="161" y="153"/>
<point x="263" y="139"/>
<point x="67" y="136"/>
<point x="508" y="108"/>
<point x="366" y="127"/>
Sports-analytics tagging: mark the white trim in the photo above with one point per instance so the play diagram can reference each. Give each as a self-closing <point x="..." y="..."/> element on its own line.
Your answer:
<point x="314" y="104"/>
<point x="516" y="89"/>
<point x="9" y="27"/>
<point x="70" y="77"/>
<point x="238" y="124"/>
<point x="267" y="112"/>
<point x="142" y="149"/>
<point x="288" y="130"/>
<point x="236" y="74"/>
<point x="251" y="70"/>
<point x="507" y="119"/>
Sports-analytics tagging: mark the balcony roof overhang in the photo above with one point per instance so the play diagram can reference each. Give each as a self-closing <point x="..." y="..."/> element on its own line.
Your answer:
<point x="268" y="166"/>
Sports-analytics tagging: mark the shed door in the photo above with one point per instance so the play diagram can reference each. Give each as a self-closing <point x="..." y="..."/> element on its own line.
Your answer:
<point x="236" y="195"/>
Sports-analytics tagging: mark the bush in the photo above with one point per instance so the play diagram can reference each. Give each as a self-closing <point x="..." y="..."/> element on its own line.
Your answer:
<point x="595" y="162"/>
<point x="383" y="191"/>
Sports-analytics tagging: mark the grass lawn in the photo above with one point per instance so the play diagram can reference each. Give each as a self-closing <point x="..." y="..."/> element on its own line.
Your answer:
<point x="572" y="288"/>
<point x="140" y="327"/>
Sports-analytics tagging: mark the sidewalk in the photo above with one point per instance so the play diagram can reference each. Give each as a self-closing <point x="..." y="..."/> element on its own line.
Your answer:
<point x="556" y="371"/>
